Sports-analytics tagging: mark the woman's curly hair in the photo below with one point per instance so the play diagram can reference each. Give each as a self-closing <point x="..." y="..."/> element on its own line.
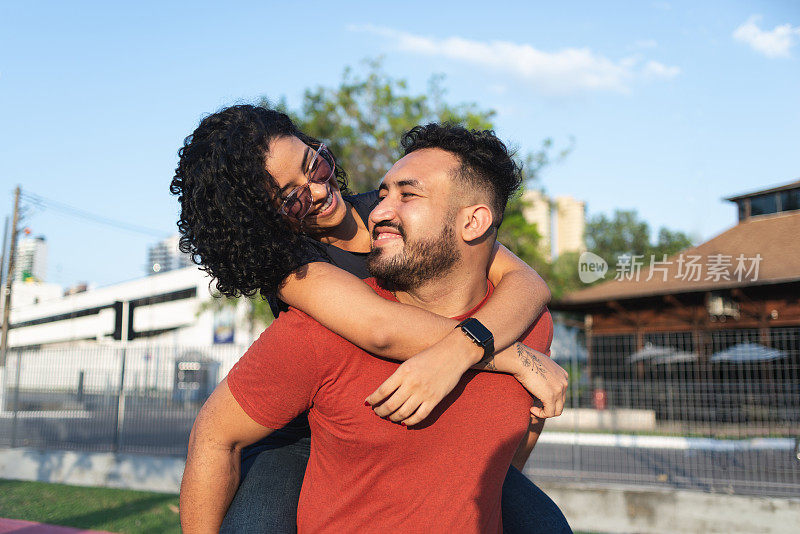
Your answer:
<point x="229" y="223"/>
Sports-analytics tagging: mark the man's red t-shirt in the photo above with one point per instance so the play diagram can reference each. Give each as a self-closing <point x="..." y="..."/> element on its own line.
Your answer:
<point x="367" y="474"/>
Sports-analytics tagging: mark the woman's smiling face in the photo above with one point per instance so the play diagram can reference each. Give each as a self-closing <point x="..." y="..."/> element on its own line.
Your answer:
<point x="289" y="161"/>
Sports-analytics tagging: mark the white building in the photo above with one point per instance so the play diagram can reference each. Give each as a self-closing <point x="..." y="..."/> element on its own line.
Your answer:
<point x="166" y="308"/>
<point x="570" y="222"/>
<point x="165" y="256"/>
<point x="160" y="329"/>
<point x="570" y="225"/>
<point x="538" y="212"/>
<point x="31" y="259"/>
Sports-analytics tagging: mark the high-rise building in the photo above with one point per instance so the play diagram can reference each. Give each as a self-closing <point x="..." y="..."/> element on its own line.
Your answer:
<point x="30" y="263"/>
<point x="538" y="212"/>
<point x="165" y="256"/>
<point x="570" y="222"/>
<point x="570" y="225"/>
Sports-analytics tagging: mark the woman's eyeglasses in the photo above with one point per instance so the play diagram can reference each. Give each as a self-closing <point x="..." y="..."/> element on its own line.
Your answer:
<point x="298" y="202"/>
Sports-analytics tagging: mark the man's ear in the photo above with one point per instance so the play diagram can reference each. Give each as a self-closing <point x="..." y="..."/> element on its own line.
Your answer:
<point x="477" y="222"/>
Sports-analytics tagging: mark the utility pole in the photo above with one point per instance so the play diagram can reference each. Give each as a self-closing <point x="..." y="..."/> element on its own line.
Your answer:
<point x="3" y="254"/>
<point x="9" y="280"/>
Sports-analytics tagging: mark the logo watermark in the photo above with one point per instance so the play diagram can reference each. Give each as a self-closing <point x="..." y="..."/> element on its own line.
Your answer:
<point x="591" y="267"/>
<point x="685" y="267"/>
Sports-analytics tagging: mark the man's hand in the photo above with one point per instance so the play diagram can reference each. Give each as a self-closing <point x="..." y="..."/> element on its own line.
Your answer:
<point x="421" y="382"/>
<point x="544" y="379"/>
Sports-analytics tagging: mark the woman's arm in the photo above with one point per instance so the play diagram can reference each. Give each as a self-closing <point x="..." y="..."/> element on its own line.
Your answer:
<point x="519" y="297"/>
<point x="346" y="305"/>
<point x="341" y="302"/>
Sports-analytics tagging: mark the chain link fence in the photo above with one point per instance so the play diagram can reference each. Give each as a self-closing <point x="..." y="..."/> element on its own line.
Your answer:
<point x="657" y="410"/>
<point x="109" y="398"/>
<point x="715" y="411"/>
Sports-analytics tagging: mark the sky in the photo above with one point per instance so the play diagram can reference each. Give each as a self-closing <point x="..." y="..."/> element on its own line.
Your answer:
<point x="672" y="106"/>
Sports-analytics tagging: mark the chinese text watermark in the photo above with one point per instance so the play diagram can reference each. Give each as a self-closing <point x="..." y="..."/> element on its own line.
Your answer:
<point x="685" y="267"/>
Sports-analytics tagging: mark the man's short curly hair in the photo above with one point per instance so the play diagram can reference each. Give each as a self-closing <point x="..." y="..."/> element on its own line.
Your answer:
<point x="228" y="222"/>
<point x="486" y="163"/>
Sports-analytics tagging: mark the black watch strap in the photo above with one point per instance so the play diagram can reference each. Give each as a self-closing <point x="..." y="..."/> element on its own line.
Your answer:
<point x="479" y="334"/>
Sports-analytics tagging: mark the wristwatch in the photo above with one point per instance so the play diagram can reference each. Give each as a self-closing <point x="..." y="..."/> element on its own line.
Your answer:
<point x="480" y="335"/>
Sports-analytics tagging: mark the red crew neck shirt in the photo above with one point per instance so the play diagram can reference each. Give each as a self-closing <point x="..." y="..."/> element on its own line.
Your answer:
<point x="367" y="474"/>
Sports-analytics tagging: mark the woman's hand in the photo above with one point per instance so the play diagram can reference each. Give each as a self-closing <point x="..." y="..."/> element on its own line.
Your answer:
<point x="543" y="378"/>
<point x="421" y="382"/>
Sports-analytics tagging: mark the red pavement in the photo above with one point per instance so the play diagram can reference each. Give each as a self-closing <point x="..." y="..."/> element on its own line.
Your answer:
<point x="17" y="526"/>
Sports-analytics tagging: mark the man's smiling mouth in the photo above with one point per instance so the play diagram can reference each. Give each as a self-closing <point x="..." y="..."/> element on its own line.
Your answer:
<point x="383" y="236"/>
<point x="386" y="233"/>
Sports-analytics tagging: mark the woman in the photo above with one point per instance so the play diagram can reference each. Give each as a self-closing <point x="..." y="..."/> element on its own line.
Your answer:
<point x="261" y="212"/>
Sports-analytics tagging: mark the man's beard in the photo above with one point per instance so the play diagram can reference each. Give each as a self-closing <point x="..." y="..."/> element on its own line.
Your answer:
<point x="419" y="262"/>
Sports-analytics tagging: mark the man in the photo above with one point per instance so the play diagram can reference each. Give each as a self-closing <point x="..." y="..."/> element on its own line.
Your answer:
<point x="433" y="231"/>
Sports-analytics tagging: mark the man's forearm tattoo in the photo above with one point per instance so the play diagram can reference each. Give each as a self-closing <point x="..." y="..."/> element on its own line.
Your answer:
<point x="528" y="359"/>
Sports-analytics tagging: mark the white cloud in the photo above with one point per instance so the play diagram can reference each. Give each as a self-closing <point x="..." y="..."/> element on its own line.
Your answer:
<point x="774" y="43"/>
<point x="654" y="69"/>
<point x="569" y="70"/>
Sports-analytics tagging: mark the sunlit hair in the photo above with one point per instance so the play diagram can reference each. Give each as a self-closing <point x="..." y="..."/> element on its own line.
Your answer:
<point x="228" y="222"/>
<point x="486" y="162"/>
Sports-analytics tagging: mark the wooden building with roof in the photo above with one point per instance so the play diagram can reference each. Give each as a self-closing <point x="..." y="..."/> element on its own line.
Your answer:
<point x="740" y="287"/>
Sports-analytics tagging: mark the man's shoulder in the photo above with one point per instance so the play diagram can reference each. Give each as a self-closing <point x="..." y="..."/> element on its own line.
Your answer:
<point x="294" y="323"/>
<point x="293" y="333"/>
<point x="539" y="335"/>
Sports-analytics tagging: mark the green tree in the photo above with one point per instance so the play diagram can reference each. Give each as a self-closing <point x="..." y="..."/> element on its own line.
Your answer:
<point x="258" y="314"/>
<point x="364" y="117"/>
<point x="520" y="236"/>
<point x="670" y="242"/>
<point x="625" y="233"/>
<point x="562" y="274"/>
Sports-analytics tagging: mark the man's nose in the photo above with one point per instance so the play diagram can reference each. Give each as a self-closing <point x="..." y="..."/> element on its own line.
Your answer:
<point x="384" y="211"/>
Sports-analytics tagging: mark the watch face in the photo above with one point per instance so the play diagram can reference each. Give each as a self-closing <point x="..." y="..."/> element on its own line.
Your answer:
<point x="479" y="332"/>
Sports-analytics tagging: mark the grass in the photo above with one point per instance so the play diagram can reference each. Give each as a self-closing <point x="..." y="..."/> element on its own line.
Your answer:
<point x="112" y="510"/>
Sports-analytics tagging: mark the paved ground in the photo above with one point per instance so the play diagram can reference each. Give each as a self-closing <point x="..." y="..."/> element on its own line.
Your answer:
<point x="747" y="472"/>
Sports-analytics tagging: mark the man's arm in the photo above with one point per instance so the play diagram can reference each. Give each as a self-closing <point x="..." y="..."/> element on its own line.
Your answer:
<point x="211" y="476"/>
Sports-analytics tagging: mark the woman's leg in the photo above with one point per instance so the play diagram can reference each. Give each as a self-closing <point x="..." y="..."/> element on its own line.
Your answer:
<point x="266" y="500"/>
<point x="528" y="510"/>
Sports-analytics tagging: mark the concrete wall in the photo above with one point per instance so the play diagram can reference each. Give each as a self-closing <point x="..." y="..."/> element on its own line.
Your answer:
<point x="588" y="508"/>
<point x="130" y="471"/>
<point x="621" y="419"/>
<point x="618" y="510"/>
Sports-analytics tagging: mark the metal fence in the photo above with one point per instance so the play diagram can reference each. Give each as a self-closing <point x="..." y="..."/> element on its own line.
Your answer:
<point x="647" y="412"/>
<point x="109" y="398"/>
<point x="660" y="410"/>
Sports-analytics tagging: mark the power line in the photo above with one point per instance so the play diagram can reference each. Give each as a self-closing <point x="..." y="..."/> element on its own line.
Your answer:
<point x="66" y="209"/>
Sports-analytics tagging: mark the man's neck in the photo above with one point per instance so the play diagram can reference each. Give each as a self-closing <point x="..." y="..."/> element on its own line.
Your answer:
<point x="351" y="234"/>
<point x="451" y="295"/>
